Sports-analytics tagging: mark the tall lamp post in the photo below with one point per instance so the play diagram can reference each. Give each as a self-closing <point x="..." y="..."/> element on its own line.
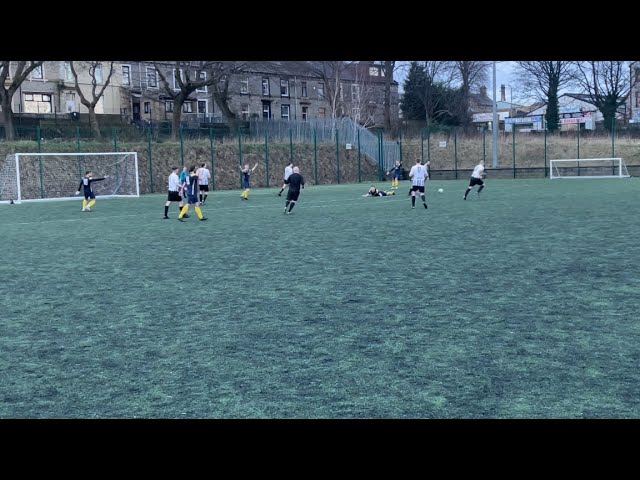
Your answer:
<point x="494" y="123"/>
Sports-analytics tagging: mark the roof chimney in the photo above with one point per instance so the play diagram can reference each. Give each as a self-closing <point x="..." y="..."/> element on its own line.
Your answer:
<point x="502" y="93"/>
<point x="483" y="91"/>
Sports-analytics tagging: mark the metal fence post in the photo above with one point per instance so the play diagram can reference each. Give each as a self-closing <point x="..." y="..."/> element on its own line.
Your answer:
<point x="240" y="153"/>
<point x="266" y="154"/>
<point x="544" y="128"/>
<point x="428" y="144"/>
<point x="337" y="156"/>
<point x="39" y="133"/>
<point x="213" y="166"/>
<point x="513" y="146"/>
<point x="315" y="154"/>
<point x="359" y="160"/>
<point x="150" y="160"/>
<point x="455" y="149"/>
<point x="181" y="146"/>
<point x="484" y="144"/>
<point x="291" y="145"/>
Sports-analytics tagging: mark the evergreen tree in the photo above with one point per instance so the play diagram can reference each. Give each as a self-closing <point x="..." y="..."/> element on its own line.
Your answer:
<point x="412" y="106"/>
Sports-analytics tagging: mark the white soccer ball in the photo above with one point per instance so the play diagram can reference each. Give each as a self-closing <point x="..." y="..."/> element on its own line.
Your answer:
<point x="440" y="190"/>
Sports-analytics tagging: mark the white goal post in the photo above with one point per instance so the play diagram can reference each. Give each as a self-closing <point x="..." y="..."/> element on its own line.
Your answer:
<point x="55" y="176"/>
<point x="588" y="168"/>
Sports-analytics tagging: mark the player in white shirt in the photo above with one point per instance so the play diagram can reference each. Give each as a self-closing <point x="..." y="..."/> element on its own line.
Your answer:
<point x="203" y="182"/>
<point x="174" y="191"/>
<point x="419" y="176"/>
<point x="288" y="170"/>
<point x="476" y="179"/>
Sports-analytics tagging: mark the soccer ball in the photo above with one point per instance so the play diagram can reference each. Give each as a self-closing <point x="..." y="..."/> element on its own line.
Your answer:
<point x="440" y="190"/>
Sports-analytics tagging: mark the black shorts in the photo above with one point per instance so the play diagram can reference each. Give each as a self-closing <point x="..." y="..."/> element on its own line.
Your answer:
<point x="475" y="181"/>
<point x="292" y="195"/>
<point x="417" y="188"/>
<point x="174" y="197"/>
<point x="89" y="195"/>
<point x="204" y="188"/>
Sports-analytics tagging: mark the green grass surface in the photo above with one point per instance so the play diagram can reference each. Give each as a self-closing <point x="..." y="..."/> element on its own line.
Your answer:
<point x="519" y="304"/>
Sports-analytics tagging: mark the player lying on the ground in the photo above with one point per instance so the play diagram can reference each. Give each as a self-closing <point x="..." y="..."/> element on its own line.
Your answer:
<point x="374" y="192"/>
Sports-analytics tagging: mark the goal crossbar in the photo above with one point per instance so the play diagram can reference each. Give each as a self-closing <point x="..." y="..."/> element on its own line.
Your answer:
<point x="40" y="176"/>
<point x="571" y="168"/>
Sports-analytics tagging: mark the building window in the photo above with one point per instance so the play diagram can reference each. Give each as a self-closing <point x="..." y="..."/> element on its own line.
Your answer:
<point x="147" y="107"/>
<point x="322" y="112"/>
<point x="37" y="73"/>
<point x="637" y="74"/>
<point x="638" y="99"/>
<point x="266" y="110"/>
<point x="284" y="88"/>
<point x="284" y="111"/>
<point x="152" y="78"/>
<point x="305" y="113"/>
<point x="202" y="106"/>
<point x="126" y="75"/>
<point x="244" y="86"/>
<point x="304" y="89"/>
<point x="265" y="87"/>
<point x="355" y="113"/>
<point x="98" y="72"/>
<point x="176" y="85"/>
<point x="37" y="103"/>
<point x="68" y="74"/>
<point x="245" y="111"/>
<point x="202" y="77"/>
<point x="71" y="102"/>
<point x="321" y="91"/>
<point x="355" y="92"/>
<point x="187" y="107"/>
<point x="374" y="72"/>
<point x="168" y="106"/>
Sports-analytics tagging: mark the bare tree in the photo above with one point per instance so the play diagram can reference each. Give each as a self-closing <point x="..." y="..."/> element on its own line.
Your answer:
<point x="95" y="93"/>
<point x="332" y="73"/>
<point x="469" y="74"/>
<point x="437" y="77"/>
<point x="362" y="98"/>
<point x="543" y="80"/>
<point x="189" y="76"/>
<point x="607" y="85"/>
<point x="6" y="93"/>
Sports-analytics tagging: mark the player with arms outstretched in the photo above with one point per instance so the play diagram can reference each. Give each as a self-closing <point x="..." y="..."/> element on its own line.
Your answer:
<point x="246" y="180"/>
<point x="85" y="185"/>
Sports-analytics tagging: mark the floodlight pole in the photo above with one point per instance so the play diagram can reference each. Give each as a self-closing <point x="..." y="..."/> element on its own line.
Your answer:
<point x="494" y="123"/>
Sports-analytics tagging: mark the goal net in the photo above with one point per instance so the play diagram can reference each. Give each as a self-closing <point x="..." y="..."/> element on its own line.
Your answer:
<point x="55" y="176"/>
<point x="588" y="168"/>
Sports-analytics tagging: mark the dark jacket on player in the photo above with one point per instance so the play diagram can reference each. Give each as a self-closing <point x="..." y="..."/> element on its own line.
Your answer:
<point x="86" y="183"/>
<point x="295" y="181"/>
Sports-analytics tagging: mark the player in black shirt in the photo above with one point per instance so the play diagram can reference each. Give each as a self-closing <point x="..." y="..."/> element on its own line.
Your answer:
<point x="295" y="182"/>
<point x="85" y="184"/>
<point x="374" y="192"/>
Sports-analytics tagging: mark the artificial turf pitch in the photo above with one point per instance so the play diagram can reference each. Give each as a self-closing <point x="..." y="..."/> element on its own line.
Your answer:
<point x="521" y="303"/>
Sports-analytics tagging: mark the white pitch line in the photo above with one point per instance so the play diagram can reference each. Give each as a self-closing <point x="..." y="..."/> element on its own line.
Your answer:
<point x="90" y="215"/>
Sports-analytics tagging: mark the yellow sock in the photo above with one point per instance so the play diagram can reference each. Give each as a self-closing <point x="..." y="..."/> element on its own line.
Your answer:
<point x="247" y="194"/>
<point x="199" y="212"/>
<point x="91" y="203"/>
<point x="184" y="210"/>
<point x="84" y="203"/>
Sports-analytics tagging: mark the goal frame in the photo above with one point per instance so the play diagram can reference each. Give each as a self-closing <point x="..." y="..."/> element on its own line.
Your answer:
<point x="70" y="154"/>
<point x="619" y="160"/>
